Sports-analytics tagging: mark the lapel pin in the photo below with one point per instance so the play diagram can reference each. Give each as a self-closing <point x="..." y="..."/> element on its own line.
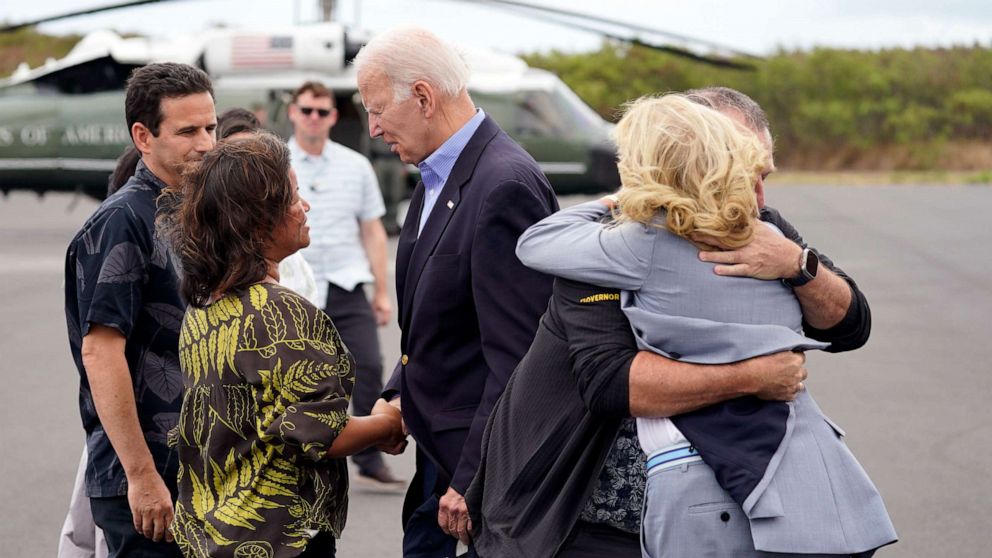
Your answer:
<point x="451" y="204"/>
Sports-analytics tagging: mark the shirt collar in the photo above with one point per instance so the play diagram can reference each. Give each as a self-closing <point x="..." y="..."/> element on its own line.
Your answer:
<point x="145" y="174"/>
<point x="436" y="168"/>
<point x="297" y="153"/>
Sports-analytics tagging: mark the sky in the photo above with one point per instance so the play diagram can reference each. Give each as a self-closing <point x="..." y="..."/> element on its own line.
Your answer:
<point x="755" y="26"/>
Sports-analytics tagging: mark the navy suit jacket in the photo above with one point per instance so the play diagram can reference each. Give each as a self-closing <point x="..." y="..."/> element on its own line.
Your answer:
<point x="468" y="309"/>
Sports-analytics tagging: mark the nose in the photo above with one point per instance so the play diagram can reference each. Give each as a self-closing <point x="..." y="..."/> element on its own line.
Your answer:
<point x="374" y="130"/>
<point x="205" y="140"/>
<point x="759" y="191"/>
<point x="306" y="205"/>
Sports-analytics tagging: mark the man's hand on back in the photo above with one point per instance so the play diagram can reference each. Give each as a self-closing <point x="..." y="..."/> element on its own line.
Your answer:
<point x="779" y="376"/>
<point x="769" y="255"/>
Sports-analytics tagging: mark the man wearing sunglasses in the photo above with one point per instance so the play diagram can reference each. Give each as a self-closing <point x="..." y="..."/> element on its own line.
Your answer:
<point x="347" y="250"/>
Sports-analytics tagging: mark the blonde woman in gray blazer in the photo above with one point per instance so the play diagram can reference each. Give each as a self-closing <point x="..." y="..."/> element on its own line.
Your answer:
<point x="745" y="477"/>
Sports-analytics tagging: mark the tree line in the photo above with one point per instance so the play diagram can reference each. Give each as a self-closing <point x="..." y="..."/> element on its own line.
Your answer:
<point x="904" y="109"/>
<point x="28" y="45"/>
<point x="830" y="109"/>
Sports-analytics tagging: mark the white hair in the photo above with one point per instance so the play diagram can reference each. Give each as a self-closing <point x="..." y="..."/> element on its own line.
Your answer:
<point x="409" y="54"/>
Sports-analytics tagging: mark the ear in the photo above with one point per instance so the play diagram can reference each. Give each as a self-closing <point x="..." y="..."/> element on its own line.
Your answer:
<point x="333" y="118"/>
<point x="426" y="98"/>
<point x="142" y="138"/>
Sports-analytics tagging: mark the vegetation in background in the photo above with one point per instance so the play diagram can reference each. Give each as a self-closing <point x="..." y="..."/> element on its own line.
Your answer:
<point x="898" y="109"/>
<point x="830" y="109"/>
<point x="27" y="45"/>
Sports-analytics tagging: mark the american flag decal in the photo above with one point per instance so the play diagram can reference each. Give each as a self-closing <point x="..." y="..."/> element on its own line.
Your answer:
<point x="261" y="52"/>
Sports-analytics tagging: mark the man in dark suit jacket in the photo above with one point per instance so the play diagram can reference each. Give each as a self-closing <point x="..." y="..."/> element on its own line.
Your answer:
<point x="468" y="309"/>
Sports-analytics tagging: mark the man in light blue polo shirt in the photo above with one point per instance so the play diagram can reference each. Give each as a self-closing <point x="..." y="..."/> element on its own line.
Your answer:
<point x="347" y="249"/>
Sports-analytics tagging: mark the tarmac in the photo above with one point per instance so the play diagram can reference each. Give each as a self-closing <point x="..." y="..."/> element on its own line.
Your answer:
<point x="914" y="401"/>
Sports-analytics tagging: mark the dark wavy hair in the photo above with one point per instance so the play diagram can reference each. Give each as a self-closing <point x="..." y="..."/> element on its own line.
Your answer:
<point x="231" y="203"/>
<point x="236" y="121"/>
<point x="148" y="85"/>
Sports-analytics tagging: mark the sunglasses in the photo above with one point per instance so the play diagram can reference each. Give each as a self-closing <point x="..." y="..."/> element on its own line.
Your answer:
<point x="323" y="113"/>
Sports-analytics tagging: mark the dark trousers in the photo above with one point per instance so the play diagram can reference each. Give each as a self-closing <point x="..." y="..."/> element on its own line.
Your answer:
<point x="321" y="546"/>
<point x="353" y="317"/>
<point x="113" y="515"/>
<point x="422" y="536"/>
<point x="592" y="540"/>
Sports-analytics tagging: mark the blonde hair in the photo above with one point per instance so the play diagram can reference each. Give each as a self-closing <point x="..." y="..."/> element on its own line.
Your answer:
<point x="693" y="163"/>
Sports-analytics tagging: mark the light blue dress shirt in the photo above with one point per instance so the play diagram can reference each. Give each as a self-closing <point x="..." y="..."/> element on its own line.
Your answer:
<point x="436" y="168"/>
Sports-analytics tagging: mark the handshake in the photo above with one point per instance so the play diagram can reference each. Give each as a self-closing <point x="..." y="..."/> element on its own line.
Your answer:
<point x="394" y="442"/>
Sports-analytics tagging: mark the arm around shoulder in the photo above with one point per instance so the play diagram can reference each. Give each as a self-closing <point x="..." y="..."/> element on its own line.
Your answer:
<point x="835" y="309"/>
<point x="575" y="245"/>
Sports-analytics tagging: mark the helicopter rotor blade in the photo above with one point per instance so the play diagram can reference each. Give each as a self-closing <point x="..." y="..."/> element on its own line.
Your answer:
<point x="87" y="11"/>
<point x="686" y="47"/>
<point x="672" y="43"/>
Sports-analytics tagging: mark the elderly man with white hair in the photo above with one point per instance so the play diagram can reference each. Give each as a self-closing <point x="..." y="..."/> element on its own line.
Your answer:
<point x="468" y="309"/>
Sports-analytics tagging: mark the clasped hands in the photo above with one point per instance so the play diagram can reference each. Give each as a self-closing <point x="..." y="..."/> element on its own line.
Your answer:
<point x="396" y="442"/>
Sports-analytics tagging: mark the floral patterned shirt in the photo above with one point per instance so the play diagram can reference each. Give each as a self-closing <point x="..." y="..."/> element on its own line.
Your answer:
<point x="616" y="500"/>
<point x="267" y="384"/>
<point x="120" y="274"/>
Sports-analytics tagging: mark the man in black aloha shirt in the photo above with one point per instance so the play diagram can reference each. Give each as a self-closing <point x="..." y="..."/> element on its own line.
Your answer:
<point x="123" y="313"/>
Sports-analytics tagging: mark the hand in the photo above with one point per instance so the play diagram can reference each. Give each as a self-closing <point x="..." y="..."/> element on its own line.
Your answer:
<point x="396" y="441"/>
<point x="780" y="376"/>
<point x="395" y="402"/>
<point x="452" y="516"/>
<point x="769" y="255"/>
<point x="151" y="506"/>
<point x="610" y="201"/>
<point x="382" y="307"/>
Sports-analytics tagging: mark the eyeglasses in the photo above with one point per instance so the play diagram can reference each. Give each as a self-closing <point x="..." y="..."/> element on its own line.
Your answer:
<point x="323" y="113"/>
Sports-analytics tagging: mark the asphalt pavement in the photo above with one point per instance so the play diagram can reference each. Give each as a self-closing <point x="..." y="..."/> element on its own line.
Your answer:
<point x="914" y="401"/>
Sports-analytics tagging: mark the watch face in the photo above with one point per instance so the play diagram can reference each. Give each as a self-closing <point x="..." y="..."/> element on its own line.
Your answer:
<point x="812" y="264"/>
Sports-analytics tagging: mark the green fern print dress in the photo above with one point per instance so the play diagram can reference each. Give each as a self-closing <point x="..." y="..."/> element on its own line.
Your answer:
<point x="267" y="382"/>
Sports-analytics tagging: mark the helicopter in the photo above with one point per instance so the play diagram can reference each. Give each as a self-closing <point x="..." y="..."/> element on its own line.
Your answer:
<point x="62" y="124"/>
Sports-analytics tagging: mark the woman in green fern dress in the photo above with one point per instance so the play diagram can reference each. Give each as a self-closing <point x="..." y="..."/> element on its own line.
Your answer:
<point x="264" y="426"/>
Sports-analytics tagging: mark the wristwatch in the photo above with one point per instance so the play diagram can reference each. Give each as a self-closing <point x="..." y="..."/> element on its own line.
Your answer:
<point x="809" y="263"/>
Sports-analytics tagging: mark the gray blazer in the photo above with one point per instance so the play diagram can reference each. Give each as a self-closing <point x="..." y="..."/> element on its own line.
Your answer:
<point x="812" y="496"/>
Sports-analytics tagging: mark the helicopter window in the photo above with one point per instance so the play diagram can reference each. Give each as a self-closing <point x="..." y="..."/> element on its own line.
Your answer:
<point x="499" y="107"/>
<point x="557" y="112"/>
<point x="539" y="115"/>
<point x="581" y="114"/>
<point x="102" y="74"/>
